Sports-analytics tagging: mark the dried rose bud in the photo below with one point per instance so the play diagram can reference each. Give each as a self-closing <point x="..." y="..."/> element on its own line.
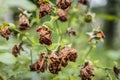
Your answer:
<point x="70" y="52"/>
<point x="45" y="35"/>
<point x="84" y="2"/>
<point x="86" y="72"/>
<point x="97" y="35"/>
<point x="55" y="64"/>
<point x="62" y="16"/>
<point x="16" y="49"/>
<point x="116" y="71"/>
<point x="100" y="34"/>
<point x="70" y="32"/>
<point x="5" y="32"/>
<point x="40" y="65"/>
<point x="64" y="4"/>
<point x="24" y="23"/>
<point x="40" y="1"/>
<point x="44" y="9"/>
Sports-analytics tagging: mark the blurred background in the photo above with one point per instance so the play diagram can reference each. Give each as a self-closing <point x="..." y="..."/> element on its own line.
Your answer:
<point x="105" y="55"/>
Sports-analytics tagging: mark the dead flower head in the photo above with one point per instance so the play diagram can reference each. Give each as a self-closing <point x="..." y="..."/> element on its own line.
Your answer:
<point x="55" y="64"/>
<point x="62" y="16"/>
<point x="40" y="65"/>
<point x="44" y="9"/>
<point x="23" y="23"/>
<point x="64" y="4"/>
<point x="5" y="32"/>
<point x="45" y="35"/>
<point x="86" y="72"/>
<point x="16" y="49"/>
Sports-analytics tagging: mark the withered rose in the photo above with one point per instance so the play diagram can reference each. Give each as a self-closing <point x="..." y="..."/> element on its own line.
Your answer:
<point x="70" y="31"/>
<point x="55" y="64"/>
<point x="84" y="2"/>
<point x="40" y="65"/>
<point x="16" y="49"/>
<point x="86" y="72"/>
<point x="45" y="35"/>
<point x="64" y="4"/>
<point x="5" y="32"/>
<point x="23" y="22"/>
<point x="96" y="35"/>
<point x="44" y="9"/>
<point x="62" y="16"/>
<point x="116" y="71"/>
<point x="70" y="53"/>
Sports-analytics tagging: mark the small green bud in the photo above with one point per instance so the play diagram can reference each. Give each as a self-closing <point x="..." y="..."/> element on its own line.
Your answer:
<point x="88" y="18"/>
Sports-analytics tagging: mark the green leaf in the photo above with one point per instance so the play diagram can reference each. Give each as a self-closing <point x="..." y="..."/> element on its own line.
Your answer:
<point x="25" y="4"/>
<point x="7" y="58"/>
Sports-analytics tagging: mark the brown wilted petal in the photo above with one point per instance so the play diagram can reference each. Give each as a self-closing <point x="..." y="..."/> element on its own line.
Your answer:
<point x="64" y="4"/>
<point x="62" y="16"/>
<point x="55" y="64"/>
<point x="44" y="9"/>
<point x="40" y="65"/>
<point x="16" y="49"/>
<point x="116" y="71"/>
<point x="23" y="23"/>
<point x="71" y="53"/>
<point x="5" y="32"/>
<point x="45" y="36"/>
<point x="84" y="2"/>
<point x="86" y="72"/>
<point x="70" y="32"/>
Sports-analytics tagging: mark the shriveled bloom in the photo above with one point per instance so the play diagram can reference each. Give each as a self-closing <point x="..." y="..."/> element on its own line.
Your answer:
<point x="97" y="35"/>
<point x="62" y="16"/>
<point x="23" y="22"/>
<point x="116" y="71"/>
<point x="16" y="49"/>
<point x="55" y="64"/>
<point x="44" y="9"/>
<point x="64" y="4"/>
<point x="70" y="31"/>
<point x="5" y="32"/>
<point x="40" y="65"/>
<point x="68" y="54"/>
<point x="45" y="35"/>
<point x="84" y="2"/>
<point x="86" y="72"/>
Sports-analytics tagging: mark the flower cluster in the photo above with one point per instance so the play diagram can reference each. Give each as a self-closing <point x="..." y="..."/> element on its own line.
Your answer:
<point x="45" y="35"/>
<point x="55" y="60"/>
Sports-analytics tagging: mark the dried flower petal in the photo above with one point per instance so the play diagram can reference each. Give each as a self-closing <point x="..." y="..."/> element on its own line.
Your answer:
<point x="40" y="65"/>
<point x="45" y="36"/>
<point x="64" y="4"/>
<point x="84" y="2"/>
<point x="116" y="71"/>
<point x="70" y="32"/>
<point x="5" y="32"/>
<point x="16" y="49"/>
<point x="86" y="72"/>
<point x="55" y="64"/>
<point x="62" y="16"/>
<point x="44" y="9"/>
<point x="24" y="23"/>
